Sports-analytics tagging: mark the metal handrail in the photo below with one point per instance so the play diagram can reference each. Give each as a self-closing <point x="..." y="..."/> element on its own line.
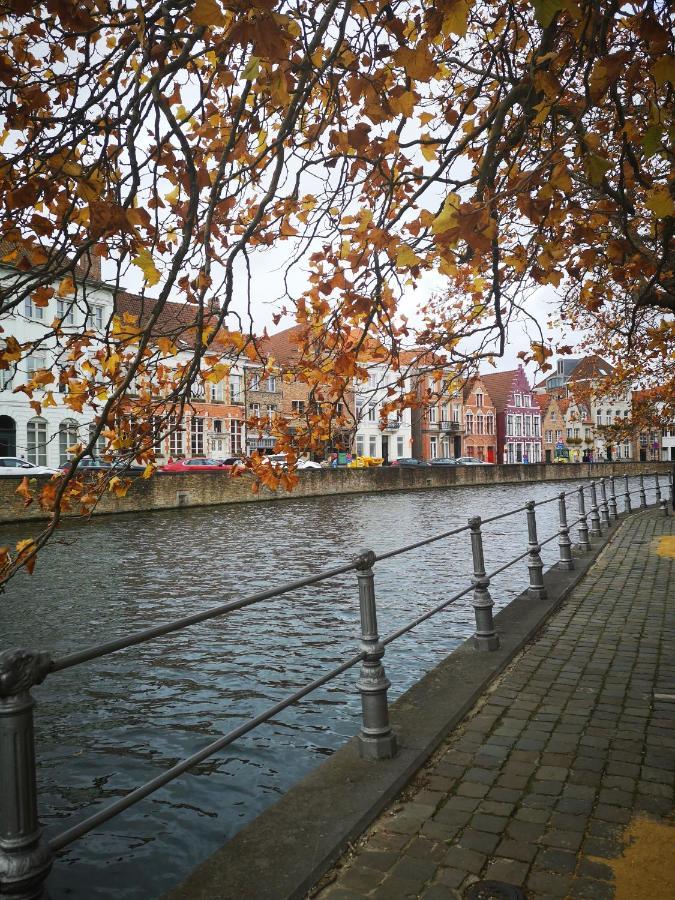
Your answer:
<point x="20" y="670"/>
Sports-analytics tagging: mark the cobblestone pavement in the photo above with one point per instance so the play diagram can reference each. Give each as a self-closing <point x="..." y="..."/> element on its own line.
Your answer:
<point x="570" y="744"/>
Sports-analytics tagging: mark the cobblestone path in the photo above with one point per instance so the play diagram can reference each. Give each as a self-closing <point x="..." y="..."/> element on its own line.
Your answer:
<point x="574" y="741"/>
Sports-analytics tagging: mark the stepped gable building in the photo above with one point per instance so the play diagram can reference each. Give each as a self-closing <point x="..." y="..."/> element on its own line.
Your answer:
<point x="480" y="421"/>
<point x="518" y="417"/>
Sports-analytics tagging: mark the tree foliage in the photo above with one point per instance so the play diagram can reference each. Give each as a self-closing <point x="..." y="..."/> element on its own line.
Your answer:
<point x="498" y="148"/>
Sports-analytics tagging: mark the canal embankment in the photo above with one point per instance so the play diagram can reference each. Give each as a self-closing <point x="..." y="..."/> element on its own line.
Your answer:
<point x="537" y="782"/>
<point x="173" y="491"/>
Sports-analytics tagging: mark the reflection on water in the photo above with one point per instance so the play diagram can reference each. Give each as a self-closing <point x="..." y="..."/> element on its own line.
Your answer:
<point x="109" y="725"/>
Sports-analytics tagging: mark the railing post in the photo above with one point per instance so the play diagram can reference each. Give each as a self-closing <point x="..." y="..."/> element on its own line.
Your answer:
<point x="614" y="512"/>
<point x="643" y="496"/>
<point x="664" y="507"/>
<point x="25" y="859"/>
<point x="671" y="479"/>
<point x="564" y="542"/>
<point x="595" y="531"/>
<point x="658" y="488"/>
<point x="534" y="563"/>
<point x="626" y="496"/>
<point x="376" y="739"/>
<point x="584" y="543"/>
<point x="604" y="509"/>
<point x="485" y="638"/>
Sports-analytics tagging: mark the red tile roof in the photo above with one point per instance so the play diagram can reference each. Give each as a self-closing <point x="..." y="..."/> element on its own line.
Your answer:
<point x="499" y="385"/>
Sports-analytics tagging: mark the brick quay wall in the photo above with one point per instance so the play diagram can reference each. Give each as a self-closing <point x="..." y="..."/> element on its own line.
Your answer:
<point x="171" y="491"/>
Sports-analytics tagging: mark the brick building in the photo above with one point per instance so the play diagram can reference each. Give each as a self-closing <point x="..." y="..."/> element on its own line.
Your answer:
<point x="518" y="416"/>
<point x="480" y="421"/>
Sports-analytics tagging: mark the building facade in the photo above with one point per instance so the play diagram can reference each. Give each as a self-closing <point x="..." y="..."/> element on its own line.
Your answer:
<point x="480" y="422"/>
<point x="44" y="438"/>
<point x="518" y="417"/>
<point x="389" y="437"/>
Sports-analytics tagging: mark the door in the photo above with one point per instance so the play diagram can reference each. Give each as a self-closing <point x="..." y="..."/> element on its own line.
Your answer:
<point x="7" y="436"/>
<point x="491" y="454"/>
<point x="548" y="456"/>
<point x="385" y="448"/>
<point x="457" y="446"/>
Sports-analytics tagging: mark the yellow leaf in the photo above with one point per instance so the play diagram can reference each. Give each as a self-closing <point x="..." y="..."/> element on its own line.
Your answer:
<point x="173" y="195"/>
<point x="446" y="219"/>
<point x="404" y="104"/>
<point x="218" y="373"/>
<point x="456" y="19"/>
<point x="111" y="364"/>
<point x="148" y="470"/>
<point x="664" y="70"/>
<point x="145" y="263"/>
<point x="596" y="166"/>
<point x="207" y="12"/>
<point x="660" y="202"/>
<point x="252" y="69"/>
<point x="428" y="150"/>
<point x="406" y="257"/>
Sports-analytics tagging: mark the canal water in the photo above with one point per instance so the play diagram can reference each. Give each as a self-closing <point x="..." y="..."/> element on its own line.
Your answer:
<point x="111" y="724"/>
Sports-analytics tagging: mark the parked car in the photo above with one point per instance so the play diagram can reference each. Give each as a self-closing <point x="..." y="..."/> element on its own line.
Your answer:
<point x="408" y="461"/>
<point x="94" y="464"/>
<point x="443" y="461"/>
<point x="280" y="459"/>
<point x="199" y="464"/>
<point x="13" y="465"/>
<point x="472" y="461"/>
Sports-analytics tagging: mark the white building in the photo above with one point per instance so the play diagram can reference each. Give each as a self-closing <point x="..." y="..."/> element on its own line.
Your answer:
<point x="394" y="441"/>
<point x="43" y="439"/>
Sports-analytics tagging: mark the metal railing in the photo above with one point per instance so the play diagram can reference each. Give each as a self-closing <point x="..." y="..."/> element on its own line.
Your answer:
<point x="25" y="856"/>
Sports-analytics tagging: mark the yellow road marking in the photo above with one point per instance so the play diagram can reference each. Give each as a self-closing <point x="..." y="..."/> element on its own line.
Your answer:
<point x="646" y="867"/>
<point x="666" y="546"/>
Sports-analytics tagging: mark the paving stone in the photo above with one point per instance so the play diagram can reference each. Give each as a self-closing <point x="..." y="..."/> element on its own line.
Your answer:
<point x="360" y="878"/>
<point x="492" y="824"/>
<point x="381" y="860"/>
<point x="464" y="859"/>
<point x="450" y="877"/>
<point x="561" y="861"/>
<point x="568" y="840"/>
<point x="509" y="870"/>
<point x="395" y="889"/>
<point x="549" y="884"/>
<point x="439" y="892"/>
<point x="482" y="841"/>
<point x="591" y="889"/>
<point x="591" y="869"/>
<point x="410" y="868"/>
<point x="519" y="850"/>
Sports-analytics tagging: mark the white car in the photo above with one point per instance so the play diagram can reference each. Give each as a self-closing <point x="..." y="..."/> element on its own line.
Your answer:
<point x="12" y="465"/>
<point x="279" y="459"/>
<point x="472" y="461"/>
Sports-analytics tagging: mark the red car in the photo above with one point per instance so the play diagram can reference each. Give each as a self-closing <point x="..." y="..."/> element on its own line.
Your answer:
<point x="199" y="464"/>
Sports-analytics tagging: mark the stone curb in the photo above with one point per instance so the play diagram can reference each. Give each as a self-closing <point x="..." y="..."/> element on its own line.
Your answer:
<point x="282" y="853"/>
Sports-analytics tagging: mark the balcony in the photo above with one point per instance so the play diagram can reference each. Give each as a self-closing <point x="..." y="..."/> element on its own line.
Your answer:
<point x="392" y="425"/>
<point x="450" y="427"/>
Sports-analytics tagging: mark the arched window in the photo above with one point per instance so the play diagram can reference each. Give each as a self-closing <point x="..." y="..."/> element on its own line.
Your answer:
<point x="100" y="445"/>
<point x="36" y="441"/>
<point x="489" y="425"/>
<point x="67" y="438"/>
<point x="7" y="436"/>
<point x="469" y="423"/>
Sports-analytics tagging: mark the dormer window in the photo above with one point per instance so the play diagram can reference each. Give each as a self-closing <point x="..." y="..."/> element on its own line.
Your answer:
<point x="479" y="399"/>
<point x="526" y="400"/>
<point x="518" y="399"/>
